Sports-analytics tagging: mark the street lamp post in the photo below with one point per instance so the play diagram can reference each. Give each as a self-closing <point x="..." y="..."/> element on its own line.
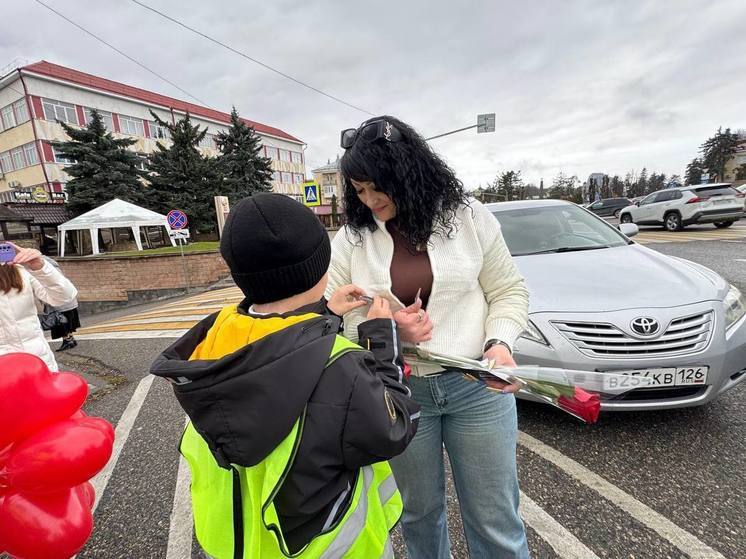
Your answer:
<point x="485" y="123"/>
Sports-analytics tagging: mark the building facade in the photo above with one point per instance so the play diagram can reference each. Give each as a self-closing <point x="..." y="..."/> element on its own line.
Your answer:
<point x="329" y="179"/>
<point x="34" y="97"/>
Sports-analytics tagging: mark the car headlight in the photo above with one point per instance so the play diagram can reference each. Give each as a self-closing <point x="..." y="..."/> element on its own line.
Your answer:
<point x="532" y="333"/>
<point x="734" y="306"/>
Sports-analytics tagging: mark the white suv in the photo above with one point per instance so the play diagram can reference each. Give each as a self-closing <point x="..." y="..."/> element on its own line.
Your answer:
<point x="674" y="208"/>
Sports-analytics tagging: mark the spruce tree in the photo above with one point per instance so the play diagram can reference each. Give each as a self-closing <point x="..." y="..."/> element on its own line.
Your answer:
<point x="717" y="151"/>
<point x="181" y="177"/>
<point x="104" y="168"/>
<point x="243" y="170"/>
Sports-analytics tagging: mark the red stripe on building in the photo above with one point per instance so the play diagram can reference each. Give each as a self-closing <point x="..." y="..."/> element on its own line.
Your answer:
<point x="81" y="115"/>
<point x="115" y="120"/>
<point x="45" y="68"/>
<point x="48" y="153"/>
<point x="38" y="109"/>
<point x="146" y="127"/>
<point x="56" y="187"/>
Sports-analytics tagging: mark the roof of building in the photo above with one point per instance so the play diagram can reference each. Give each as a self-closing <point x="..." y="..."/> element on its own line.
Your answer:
<point x="330" y="166"/>
<point x="6" y="214"/>
<point x="45" y="68"/>
<point x="42" y="214"/>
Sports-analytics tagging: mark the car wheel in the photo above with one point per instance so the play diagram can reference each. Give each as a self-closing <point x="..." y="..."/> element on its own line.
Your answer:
<point x="626" y="218"/>
<point x="672" y="222"/>
<point x="724" y="224"/>
<point x="616" y="213"/>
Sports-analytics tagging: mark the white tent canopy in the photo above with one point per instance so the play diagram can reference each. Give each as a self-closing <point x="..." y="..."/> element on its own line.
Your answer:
<point x="114" y="214"/>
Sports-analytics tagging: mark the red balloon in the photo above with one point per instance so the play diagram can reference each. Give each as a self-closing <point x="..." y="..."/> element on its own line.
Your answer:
<point x="90" y="494"/>
<point x="51" y="526"/>
<point x="33" y="397"/>
<point x="63" y="455"/>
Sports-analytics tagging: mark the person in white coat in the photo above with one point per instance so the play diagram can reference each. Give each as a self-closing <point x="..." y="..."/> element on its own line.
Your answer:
<point x="25" y="279"/>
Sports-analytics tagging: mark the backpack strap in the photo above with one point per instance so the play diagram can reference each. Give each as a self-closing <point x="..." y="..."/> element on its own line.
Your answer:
<point x="341" y="347"/>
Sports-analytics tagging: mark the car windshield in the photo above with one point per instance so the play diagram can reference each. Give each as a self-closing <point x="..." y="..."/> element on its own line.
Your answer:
<point x="546" y="229"/>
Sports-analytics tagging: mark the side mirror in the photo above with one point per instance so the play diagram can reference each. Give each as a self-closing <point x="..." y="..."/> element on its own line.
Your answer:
<point x="629" y="229"/>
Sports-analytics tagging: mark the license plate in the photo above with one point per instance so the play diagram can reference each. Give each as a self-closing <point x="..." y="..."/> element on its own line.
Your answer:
<point x="717" y="202"/>
<point x="661" y="378"/>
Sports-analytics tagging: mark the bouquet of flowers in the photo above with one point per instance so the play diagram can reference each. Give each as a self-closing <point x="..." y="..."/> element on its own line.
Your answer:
<point x="579" y="393"/>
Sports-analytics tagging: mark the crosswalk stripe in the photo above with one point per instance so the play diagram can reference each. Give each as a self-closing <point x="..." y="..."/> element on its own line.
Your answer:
<point x="180" y="529"/>
<point x="121" y="434"/>
<point x="685" y="541"/>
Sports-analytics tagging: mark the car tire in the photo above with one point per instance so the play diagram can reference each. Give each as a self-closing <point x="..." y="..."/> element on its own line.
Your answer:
<point x="672" y="222"/>
<point x="724" y="224"/>
<point x="626" y="218"/>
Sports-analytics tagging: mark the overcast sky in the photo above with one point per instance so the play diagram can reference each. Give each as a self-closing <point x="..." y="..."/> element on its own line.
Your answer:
<point x="578" y="86"/>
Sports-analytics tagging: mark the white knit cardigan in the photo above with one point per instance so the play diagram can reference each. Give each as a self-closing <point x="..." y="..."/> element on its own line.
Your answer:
<point x="477" y="292"/>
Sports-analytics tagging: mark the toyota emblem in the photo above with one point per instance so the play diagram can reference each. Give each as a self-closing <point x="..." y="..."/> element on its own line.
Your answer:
<point x="645" y="326"/>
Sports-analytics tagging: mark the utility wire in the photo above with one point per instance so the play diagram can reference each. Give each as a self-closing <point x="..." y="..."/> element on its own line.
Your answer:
<point x="250" y="58"/>
<point x="127" y="56"/>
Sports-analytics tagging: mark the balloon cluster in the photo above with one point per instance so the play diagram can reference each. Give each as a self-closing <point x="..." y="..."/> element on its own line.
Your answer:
<point x="49" y="449"/>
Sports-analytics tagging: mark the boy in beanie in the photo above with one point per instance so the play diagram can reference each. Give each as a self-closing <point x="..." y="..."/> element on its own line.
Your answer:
<point x="291" y="424"/>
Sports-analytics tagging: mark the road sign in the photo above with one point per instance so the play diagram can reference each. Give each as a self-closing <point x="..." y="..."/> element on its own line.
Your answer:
<point x="311" y="193"/>
<point x="179" y="233"/>
<point x="177" y="219"/>
<point x="485" y="123"/>
<point x="704" y="177"/>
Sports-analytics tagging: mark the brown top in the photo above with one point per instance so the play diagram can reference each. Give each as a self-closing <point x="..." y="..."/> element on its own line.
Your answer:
<point x="410" y="270"/>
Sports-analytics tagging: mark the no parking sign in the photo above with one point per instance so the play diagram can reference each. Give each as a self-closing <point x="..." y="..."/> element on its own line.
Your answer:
<point x="177" y="219"/>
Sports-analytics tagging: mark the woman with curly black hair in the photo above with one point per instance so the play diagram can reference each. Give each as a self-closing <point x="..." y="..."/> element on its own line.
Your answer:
<point x="414" y="237"/>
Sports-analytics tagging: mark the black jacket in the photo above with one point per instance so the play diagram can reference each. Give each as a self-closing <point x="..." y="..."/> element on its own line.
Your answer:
<point x="358" y="410"/>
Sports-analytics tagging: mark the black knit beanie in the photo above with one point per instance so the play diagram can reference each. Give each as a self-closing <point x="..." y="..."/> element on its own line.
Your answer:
<point x="275" y="247"/>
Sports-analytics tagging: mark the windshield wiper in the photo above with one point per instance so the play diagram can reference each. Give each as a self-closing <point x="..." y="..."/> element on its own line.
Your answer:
<point x="564" y="249"/>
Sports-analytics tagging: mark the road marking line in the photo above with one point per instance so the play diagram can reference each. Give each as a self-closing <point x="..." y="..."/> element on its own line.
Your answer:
<point x="138" y="320"/>
<point x="739" y="259"/>
<point x="180" y="530"/>
<point x="121" y="433"/>
<point x="561" y="540"/>
<point x="686" y="542"/>
<point x="133" y="335"/>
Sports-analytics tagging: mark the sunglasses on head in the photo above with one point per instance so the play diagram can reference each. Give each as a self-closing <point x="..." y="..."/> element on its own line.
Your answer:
<point x="370" y="131"/>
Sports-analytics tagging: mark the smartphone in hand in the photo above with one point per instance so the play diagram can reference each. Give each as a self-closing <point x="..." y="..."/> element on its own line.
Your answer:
<point x="7" y="252"/>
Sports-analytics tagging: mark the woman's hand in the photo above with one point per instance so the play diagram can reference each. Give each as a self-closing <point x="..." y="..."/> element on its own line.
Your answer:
<point x="346" y="299"/>
<point x="414" y="324"/>
<point x="380" y="308"/>
<point x="500" y="356"/>
<point x="29" y="258"/>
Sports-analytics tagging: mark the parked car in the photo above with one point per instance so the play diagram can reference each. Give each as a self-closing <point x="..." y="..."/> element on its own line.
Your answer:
<point x="600" y="302"/>
<point x="742" y="190"/>
<point x="609" y="206"/>
<point x="675" y="208"/>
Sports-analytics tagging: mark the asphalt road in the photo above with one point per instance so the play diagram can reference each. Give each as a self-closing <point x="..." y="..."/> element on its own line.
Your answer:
<point x="635" y="485"/>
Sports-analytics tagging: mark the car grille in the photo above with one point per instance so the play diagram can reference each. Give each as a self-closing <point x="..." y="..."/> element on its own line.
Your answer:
<point x="596" y="339"/>
<point x="643" y="394"/>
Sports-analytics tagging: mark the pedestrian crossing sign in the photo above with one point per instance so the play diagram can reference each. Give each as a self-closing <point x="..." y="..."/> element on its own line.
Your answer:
<point x="311" y="193"/>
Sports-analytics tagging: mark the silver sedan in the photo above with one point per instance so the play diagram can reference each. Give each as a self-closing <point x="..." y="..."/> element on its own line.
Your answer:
<point x="600" y="302"/>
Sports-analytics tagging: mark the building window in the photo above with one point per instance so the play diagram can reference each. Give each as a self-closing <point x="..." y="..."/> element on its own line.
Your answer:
<point x="271" y="152"/>
<point x="105" y="117"/>
<point x="158" y="132"/>
<point x="142" y="162"/>
<point x="57" y="110"/>
<point x="287" y="178"/>
<point x="131" y="126"/>
<point x="21" y="111"/>
<point x="207" y="141"/>
<point x="6" y="113"/>
<point x="329" y="191"/>
<point x="6" y="165"/>
<point x="296" y="157"/>
<point x="299" y="178"/>
<point x="61" y="159"/>
<point x="297" y="197"/>
<point x="18" y="160"/>
<point x="284" y="155"/>
<point x="276" y="176"/>
<point x="32" y="156"/>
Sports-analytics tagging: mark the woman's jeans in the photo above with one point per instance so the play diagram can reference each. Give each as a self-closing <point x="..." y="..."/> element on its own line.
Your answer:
<point x="479" y="428"/>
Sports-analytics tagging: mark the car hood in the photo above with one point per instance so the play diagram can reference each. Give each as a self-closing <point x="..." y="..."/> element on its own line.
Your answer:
<point x="626" y="277"/>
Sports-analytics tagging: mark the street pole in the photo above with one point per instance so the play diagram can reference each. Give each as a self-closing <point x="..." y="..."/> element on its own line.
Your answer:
<point x="184" y="264"/>
<point x="485" y="123"/>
